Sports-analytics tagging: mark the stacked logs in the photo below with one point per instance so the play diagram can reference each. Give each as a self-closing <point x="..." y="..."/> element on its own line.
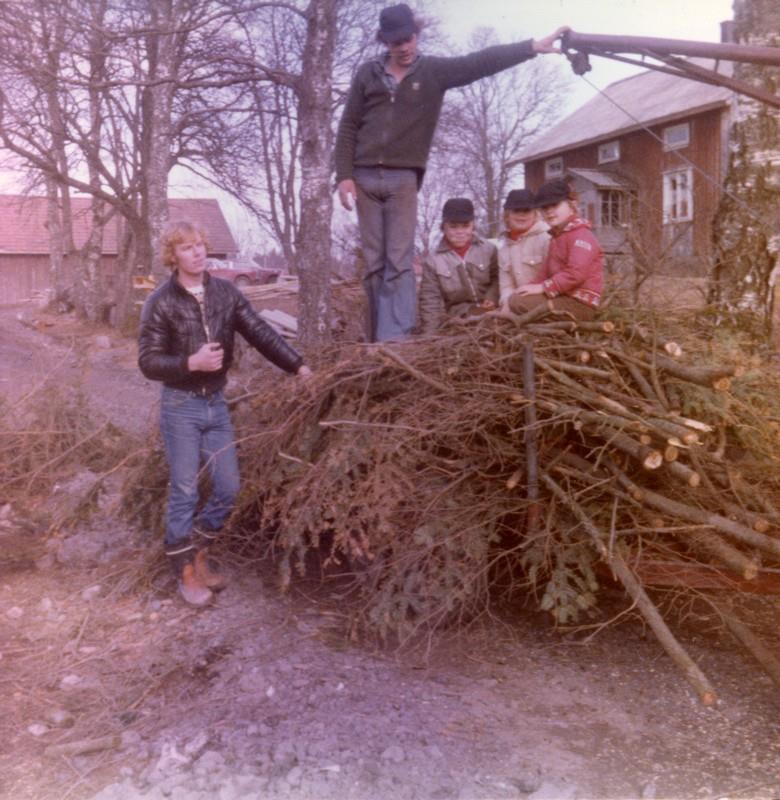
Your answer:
<point x="536" y="455"/>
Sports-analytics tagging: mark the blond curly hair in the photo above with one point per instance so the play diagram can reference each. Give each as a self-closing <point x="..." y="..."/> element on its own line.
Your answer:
<point x="176" y="233"/>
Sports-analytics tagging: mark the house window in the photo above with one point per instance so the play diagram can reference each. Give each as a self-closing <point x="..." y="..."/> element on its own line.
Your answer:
<point x="609" y="151"/>
<point x="676" y="136"/>
<point x="678" y="196"/>
<point x="615" y="208"/>
<point x="553" y="167"/>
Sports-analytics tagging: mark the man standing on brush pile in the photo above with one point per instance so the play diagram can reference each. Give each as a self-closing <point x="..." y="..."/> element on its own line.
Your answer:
<point x="186" y="341"/>
<point x="382" y="148"/>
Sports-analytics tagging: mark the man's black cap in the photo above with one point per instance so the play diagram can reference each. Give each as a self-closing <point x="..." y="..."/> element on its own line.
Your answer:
<point x="396" y="23"/>
<point x="458" y="209"/>
<point x="519" y="200"/>
<point x="552" y="193"/>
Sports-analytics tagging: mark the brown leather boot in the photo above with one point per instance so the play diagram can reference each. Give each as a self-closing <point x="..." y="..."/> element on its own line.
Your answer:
<point x="181" y="557"/>
<point x="207" y="573"/>
<point x="192" y="587"/>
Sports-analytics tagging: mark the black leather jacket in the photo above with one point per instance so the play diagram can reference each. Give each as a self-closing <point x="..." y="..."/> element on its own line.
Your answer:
<point x="172" y="330"/>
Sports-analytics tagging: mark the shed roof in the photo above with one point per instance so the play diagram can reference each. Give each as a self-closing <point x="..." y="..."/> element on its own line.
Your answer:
<point x="651" y="97"/>
<point x="24" y="228"/>
<point x="601" y="178"/>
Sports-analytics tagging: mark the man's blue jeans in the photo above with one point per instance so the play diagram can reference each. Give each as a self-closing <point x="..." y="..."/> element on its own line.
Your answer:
<point x="197" y="429"/>
<point x="387" y="215"/>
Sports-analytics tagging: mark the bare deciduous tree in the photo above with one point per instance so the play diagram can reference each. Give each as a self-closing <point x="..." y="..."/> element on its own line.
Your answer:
<point x="106" y="108"/>
<point x="282" y="157"/>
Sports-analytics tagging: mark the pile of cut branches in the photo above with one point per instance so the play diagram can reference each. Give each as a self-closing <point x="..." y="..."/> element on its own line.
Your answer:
<point x="538" y="457"/>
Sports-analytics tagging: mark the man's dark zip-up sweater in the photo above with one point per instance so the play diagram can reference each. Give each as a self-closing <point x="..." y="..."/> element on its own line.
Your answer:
<point x="395" y="129"/>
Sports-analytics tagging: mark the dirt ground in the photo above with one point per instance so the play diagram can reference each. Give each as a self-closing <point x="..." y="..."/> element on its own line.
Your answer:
<point x="262" y="696"/>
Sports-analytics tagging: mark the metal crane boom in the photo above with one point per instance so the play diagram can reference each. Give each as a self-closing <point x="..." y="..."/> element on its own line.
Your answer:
<point x="579" y="46"/>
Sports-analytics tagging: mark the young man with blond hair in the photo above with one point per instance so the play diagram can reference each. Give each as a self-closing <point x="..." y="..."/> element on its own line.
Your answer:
<point x="186" y="342"/>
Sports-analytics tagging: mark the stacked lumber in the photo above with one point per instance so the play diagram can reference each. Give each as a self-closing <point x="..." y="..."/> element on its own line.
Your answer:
<point x="277" y="303"/>
<point x="282" y="322"/>
<point x="285" y="286"/>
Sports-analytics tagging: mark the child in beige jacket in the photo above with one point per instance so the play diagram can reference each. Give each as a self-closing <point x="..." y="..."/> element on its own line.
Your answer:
<point x="523" y="244"/>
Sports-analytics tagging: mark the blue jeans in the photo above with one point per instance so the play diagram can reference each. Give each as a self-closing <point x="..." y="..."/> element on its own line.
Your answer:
<point x="196" y="429"/>
<point x="387" y="215"/>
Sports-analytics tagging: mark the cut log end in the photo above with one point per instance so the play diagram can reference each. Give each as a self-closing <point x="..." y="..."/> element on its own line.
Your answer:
<point x="703" y="427"/>
<point x="708" y="699"/>
<point x="671" y="453"/>
<point x="750" y="572"/>
<point x="514" y="479"/>
<point x="721" y="384"/>
<point x="673" y="349"/>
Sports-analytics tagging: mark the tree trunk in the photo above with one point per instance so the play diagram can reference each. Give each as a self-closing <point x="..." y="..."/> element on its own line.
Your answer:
<point x="158" y="109"/>
<point x="56" y="243"/>
<point x="313" y="255"/>
<point x="127" y="265"/>
<point x="52" y="40"/>
<point x="91" y="301"/>
<point x="89" y="296"/>
<point x="747" y="243"/>
<point x="59" y="216"/>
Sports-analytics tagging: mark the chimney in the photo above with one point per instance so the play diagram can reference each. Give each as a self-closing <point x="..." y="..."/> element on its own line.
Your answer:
<point x="727" y="32"/>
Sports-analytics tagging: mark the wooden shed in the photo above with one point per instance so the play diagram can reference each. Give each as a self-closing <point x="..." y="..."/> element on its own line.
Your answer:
<point x="25" y="267"/>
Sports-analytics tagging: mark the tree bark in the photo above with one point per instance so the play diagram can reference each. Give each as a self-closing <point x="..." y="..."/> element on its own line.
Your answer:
<point x="157" y="138"/>
<point x="746" y="238"/>
<point x="313" y="257"/>
<point x="91" y="297"/>
<point x="59" y="282"/>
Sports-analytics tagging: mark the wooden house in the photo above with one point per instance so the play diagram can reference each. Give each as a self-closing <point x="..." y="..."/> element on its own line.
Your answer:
<point x="648" y="158"/>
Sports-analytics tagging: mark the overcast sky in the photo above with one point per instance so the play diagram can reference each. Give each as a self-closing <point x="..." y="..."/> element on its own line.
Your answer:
<point x="697" y="20"/>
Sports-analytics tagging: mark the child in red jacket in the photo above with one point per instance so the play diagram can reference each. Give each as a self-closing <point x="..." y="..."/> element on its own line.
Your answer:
<point x="572" y="276"/>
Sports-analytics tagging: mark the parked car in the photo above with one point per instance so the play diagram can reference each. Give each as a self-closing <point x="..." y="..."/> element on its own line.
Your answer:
<point x="242" y="273"/>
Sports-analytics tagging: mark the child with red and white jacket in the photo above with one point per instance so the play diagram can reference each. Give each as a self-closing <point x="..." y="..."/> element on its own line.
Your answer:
<point x="572" y="277"/>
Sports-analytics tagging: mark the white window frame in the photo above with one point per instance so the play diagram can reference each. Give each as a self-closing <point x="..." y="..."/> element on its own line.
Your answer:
<point x="553" y="167"/>
<point x="619" y="203"/>
<point x="678" y="195"/>
<point x="671" y="130"/>
<point x="609" y="151"/>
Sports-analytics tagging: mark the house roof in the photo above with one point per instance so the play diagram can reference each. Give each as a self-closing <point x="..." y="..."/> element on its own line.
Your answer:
<point x="24" y="226"/>
<point x="651" y="97"/>
<point x="601" y="179"/>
